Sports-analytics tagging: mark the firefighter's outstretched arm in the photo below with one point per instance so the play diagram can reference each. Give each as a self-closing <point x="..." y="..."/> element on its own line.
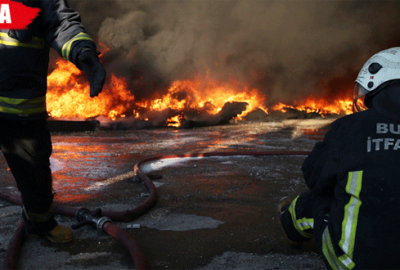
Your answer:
<point x="66" y="34"/>
<point x="95" y="72"/>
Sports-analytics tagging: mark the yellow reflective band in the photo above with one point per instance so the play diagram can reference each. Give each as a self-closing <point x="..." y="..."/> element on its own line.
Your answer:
<point x="22" y="111"/>
<point x="301" y="224"/>
<point x="35" y="43"/>
<point x="341" y="262"/>
<point x="346" y="261"/>
<point x="351" y="211"/>
<point x="66" y="49"/>
<point x="34" y="217"/>
<point x="22" y="106"/>
<point x="18" y="101"/>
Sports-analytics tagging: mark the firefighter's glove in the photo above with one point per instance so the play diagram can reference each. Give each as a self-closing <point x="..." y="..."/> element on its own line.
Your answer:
<point x="95" y="72"/>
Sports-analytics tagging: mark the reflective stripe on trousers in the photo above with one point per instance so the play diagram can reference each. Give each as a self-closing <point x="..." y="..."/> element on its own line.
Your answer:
<point x="303" y="223"/>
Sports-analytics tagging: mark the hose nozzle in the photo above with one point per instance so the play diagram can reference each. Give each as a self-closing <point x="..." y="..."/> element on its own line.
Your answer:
<point x="84" y="217"/>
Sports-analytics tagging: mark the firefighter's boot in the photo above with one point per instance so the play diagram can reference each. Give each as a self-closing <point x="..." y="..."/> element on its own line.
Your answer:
<point x="59" y="234"/>
<point x="45" y="226"/>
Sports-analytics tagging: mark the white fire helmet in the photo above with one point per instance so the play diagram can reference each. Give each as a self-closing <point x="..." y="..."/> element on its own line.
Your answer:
<point x="382" y="67"/>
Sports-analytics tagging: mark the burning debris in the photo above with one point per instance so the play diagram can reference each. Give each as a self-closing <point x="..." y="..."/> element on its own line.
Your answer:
<point x="188" y="103"/>
<point x="229" y="110"/>
<point x="72" y="126"/>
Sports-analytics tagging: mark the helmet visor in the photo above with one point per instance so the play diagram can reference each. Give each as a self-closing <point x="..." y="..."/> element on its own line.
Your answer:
<point x="359" y="96"/>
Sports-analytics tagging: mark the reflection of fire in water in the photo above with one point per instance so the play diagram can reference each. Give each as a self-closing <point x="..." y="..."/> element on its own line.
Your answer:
<point x="68" y="97"/>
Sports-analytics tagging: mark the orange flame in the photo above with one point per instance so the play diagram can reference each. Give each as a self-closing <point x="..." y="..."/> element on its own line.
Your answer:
<point x="320" y="106"/>
<point x="68" y="95"/>
<point x="205" y="95"/>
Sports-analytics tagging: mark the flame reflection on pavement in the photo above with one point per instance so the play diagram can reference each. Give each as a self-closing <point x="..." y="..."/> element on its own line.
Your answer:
<point x="80" y="160"/>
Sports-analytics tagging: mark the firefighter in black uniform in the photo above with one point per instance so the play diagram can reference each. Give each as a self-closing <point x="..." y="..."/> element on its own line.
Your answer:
<point x="24" y="137"/>
<point x="351" y="207"/>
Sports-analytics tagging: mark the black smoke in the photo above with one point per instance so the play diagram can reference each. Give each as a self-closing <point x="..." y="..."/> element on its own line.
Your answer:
<point x="286" y="49"/>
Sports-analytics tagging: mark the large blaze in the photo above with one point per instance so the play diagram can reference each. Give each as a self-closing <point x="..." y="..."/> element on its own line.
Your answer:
<point x="68" y="98"/>
<point x="68" y="95"/>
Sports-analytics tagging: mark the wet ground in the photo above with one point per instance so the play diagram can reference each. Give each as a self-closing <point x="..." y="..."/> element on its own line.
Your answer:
<point x="211" y="213"/>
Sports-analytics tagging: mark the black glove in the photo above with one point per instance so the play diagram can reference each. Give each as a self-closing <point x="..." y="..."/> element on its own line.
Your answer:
<point x="95" y="72"/>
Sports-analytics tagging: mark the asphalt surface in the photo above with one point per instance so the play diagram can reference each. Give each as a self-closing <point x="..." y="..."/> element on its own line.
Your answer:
<point x="211" y="213"/>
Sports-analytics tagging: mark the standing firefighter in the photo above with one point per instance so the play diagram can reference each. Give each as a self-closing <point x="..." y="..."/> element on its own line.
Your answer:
<point x="352" y="205"/>
<point x="24" y="137"/>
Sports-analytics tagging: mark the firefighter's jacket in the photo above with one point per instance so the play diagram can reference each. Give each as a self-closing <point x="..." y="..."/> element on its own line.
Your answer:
<point x="24" y="57"/>
<point x="357" y="166"/>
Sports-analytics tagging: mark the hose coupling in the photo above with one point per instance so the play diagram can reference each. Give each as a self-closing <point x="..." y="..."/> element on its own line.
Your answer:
<point x="100" y="223"/>
<point x="84" y="217"/>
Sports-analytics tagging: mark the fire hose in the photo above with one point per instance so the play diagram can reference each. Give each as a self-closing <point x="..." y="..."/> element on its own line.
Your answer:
<point x="102" y="220"/>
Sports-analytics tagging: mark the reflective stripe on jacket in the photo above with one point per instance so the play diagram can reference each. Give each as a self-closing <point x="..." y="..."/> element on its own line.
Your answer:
<point x="24" y="57"/>
<point x="23" y="107"/>
<point x="357" y="166"/>
<point x="35" y="43"/>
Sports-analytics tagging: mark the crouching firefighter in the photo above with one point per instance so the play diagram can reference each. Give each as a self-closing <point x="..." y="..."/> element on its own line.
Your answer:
<point x="24" y="138"/>
<point x="352" y="205"/>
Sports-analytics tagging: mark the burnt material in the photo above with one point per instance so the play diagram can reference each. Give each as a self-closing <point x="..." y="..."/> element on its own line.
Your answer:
<point x="72" y="126"/>
<point x="228" y="111"/>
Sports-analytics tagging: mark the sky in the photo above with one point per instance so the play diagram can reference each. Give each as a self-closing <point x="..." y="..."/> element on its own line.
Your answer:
<point x="286" y="49"/>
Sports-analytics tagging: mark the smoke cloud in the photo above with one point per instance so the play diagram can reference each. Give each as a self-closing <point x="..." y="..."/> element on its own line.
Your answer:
<point x="286" y="49"/>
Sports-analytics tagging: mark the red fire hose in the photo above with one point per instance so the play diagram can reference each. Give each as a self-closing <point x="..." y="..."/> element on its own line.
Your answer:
<point x="125" y="216"/>
<point x="129" y="243"/>
<point x="11" y="260"/>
